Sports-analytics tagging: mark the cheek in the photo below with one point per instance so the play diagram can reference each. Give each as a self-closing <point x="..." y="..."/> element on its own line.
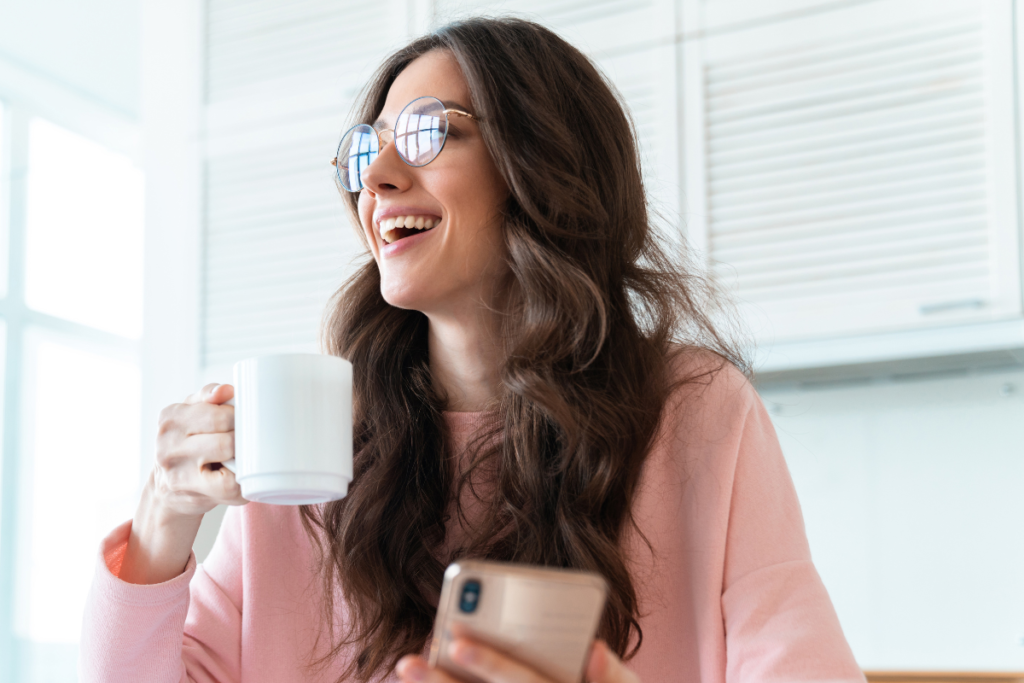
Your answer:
<point x="473" y="191"/>
<point x="366" y="224"/>
<point x="478" y="198"/>
<point x="480" y="259"/>
<point x="483" y="245"/>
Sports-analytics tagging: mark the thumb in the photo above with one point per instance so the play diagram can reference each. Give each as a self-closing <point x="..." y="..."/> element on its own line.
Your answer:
<point x="606" y="667"/>
<point x="219" y="393"/>
<point x="202" y="395"/>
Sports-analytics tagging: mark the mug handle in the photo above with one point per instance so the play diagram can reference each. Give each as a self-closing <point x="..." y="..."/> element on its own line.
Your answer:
<point x="230" y="464"/>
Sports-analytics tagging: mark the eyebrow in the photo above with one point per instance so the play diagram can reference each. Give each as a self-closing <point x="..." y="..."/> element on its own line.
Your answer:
<point x="448" y="104"/>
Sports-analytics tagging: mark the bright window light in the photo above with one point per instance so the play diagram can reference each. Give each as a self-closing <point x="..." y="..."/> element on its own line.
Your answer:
<point x="79" y="477"/>
<point x="3" y="363"/>
<point x="4" y="209"/>
<point x="84" y="232"/>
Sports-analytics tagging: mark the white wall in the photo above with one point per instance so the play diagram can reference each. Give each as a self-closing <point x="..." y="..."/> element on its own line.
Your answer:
<point x="912" y="497"/>
<point x="170" y="106"/>
<point x="91" y="48"/>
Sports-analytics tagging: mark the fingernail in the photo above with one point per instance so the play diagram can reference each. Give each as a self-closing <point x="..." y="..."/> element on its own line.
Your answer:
<point x="415" y="671"/>
<point x="214" y="389"/>
<point x="464" y="653"/>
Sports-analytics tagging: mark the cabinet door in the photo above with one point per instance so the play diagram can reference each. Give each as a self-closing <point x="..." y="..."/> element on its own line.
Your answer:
<point x="648" y="84"/>
<point x="595" y="26"/>
<point x="716" y="15"/>
<point x="280" y="80"/>
<point x="852" y="171"/>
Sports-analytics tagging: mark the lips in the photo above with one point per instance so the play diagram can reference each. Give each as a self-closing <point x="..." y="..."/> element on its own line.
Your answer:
<point x="394" y="228"/>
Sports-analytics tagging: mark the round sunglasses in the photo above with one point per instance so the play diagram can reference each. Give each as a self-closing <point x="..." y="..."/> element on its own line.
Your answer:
<point x="419" y="135"/>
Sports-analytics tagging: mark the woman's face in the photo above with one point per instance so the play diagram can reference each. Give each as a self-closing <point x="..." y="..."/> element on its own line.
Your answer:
<point x="455" y="264"/>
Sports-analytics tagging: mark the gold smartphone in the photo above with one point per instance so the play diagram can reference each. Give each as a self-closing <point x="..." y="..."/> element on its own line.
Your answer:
<point x="545" y="618"/>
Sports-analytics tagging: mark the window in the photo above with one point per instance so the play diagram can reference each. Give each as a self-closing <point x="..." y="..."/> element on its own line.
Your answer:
<point x="84" y="237"/>
<point x="71" y="324"/>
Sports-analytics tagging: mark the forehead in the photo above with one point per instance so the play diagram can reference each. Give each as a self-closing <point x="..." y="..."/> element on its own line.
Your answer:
<point x="435" y="73"/>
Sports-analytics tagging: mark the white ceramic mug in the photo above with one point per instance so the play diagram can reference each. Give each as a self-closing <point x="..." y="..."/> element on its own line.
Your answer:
<point x="293" y="428"/>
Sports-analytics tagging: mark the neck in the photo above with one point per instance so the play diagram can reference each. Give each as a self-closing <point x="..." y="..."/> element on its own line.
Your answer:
<point x="465" y="354"/>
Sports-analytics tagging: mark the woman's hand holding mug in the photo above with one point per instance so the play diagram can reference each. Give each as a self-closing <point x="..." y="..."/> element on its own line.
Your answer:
<point x="294" y="446"/>
<point x="186" y="482"/>
<point x="193" y="438"/>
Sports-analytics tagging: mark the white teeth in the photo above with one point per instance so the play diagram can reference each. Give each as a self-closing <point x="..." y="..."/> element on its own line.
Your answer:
<point x="388" y="225"/>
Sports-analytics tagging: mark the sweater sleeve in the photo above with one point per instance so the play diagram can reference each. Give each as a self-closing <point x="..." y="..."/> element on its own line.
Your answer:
<point x="185" y="629"/>
<point x="779" y="621"/>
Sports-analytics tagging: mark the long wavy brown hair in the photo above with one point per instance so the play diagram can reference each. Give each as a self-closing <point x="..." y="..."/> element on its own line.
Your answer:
<point x="595" y="310"/>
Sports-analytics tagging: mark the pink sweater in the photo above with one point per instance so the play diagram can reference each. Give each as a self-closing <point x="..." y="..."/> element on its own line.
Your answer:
<point x="730" y="593"/>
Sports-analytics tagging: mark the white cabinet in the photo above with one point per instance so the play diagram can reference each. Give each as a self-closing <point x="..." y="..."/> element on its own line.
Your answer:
<point x="718" y="15"/>
<point x="596" y="26"/>
<point x="647" y="80"/>
<point x="851" y="175"/>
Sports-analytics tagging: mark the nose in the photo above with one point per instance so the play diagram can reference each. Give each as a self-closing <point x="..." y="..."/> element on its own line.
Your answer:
<point x="387" y="173"/>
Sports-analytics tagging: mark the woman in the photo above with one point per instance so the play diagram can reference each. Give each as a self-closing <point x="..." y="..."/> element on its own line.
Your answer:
<point x="535" y="382"/>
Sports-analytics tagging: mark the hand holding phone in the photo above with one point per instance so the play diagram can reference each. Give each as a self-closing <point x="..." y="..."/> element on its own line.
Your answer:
<point x="544" y="618"/>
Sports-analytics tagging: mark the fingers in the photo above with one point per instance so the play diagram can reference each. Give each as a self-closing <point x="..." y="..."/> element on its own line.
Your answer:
<point x="193" y="438"/>
<point x="184" y="419"/>
<point x="606" y="667"/>
<point x="222" y="486"/>
<point x="191" y="473"/>
<point x="198" y="452"/>
<point x="491" y="665"/>
<point x="197" y="414"/>
<point x="220" y="393"/>
<point x="413" y="669"/>
<point x="203" y="394"/>
<point x="206" y="449"/>
<point x="204" y="418"/>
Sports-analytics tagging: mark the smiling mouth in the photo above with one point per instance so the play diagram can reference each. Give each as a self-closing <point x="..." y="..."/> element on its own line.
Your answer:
<point x="396" y="227"/>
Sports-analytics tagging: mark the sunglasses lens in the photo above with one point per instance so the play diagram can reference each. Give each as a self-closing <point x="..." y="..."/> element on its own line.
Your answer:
<point x="420" y="131"/>
<point x="357" y="150"/>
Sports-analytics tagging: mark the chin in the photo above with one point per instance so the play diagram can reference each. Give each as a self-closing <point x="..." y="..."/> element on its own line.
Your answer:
<point x="403" y="295"/>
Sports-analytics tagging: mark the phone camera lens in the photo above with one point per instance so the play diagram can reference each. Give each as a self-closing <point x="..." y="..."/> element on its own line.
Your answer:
<point x="470" y="596"/>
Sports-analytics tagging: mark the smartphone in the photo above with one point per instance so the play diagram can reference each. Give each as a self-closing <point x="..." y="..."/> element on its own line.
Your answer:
<point x="545" y="618"/>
